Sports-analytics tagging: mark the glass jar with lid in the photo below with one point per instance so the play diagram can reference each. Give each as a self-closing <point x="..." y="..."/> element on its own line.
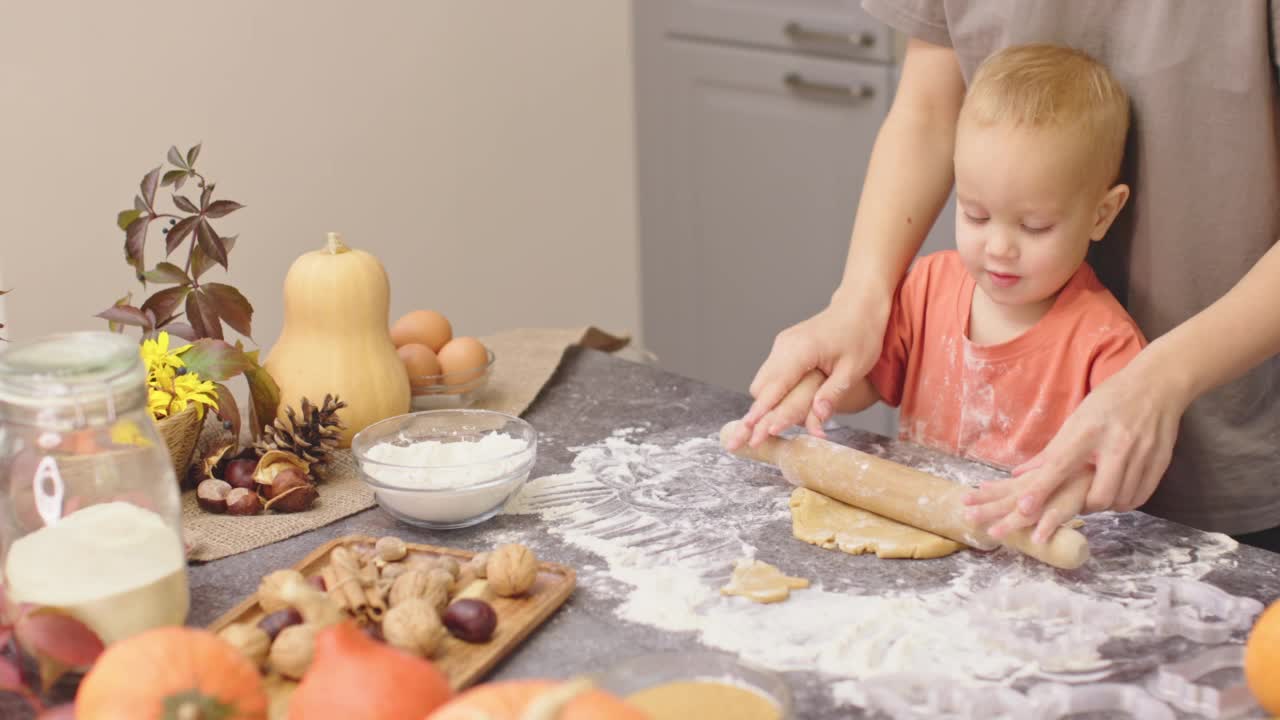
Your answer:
<point x="90" y="515"/>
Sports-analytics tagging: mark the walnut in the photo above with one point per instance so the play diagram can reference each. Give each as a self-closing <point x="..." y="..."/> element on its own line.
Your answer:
<point x="269" y="590"/>
<point x="390" y="549"/>
<point x="251" y="640"/>
<point x="511" y="570"/>
<point x="292" y="651"/>
<point x="414" y="626"/>
<point x="479" y="564"/>
<point x="450" y="565"/>
<point x="433" y="586"/>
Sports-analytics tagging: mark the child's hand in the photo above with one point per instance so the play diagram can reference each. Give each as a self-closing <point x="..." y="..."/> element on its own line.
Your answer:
<point x="793" y="409"/>
<point x="995" y="505"/>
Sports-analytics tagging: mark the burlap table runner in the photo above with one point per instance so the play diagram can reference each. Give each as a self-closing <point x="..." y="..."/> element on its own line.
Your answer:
<point x="525" y="360"/>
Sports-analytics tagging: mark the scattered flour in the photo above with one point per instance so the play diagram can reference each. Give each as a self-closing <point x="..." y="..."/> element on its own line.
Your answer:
<point x="668" y="523"/>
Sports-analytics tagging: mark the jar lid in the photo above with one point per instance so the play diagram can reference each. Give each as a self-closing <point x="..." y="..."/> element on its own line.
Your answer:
<point x="73" y="378"/>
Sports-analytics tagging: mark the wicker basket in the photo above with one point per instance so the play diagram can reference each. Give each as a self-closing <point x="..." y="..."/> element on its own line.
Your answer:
<point x="180" y="433"/>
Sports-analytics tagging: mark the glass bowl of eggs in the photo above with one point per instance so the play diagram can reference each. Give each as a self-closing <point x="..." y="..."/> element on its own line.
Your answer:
<point x="444" y="371"/>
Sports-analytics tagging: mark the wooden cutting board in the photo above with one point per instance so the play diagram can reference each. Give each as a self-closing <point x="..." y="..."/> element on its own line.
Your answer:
<point x="464" y="663"/>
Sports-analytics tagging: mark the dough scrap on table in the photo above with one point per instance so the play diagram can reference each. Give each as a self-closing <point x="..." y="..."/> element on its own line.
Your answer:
<point x="761" y="582"/>
<point x="831" y="524"/>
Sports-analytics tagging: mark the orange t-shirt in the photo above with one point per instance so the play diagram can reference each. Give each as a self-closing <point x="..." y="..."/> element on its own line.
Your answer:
<point x="998" y="403"/>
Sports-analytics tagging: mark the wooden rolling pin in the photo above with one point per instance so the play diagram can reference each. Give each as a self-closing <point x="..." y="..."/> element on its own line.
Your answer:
<point x="900" y="493"/>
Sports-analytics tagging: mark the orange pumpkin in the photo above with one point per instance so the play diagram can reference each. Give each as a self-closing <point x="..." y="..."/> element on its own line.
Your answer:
<point x="171" y="673"/>
<point x="353" y="677"/>
<point x="511" y="699"/>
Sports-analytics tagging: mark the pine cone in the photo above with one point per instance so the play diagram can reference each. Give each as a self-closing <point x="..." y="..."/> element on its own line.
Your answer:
<point x="311" y="437"/>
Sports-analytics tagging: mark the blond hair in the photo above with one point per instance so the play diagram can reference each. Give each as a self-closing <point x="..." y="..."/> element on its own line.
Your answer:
<point x="1050" y="86"/>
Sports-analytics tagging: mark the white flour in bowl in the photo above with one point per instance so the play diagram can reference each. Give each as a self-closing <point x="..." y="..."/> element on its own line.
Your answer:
<point x="435" y="465"/>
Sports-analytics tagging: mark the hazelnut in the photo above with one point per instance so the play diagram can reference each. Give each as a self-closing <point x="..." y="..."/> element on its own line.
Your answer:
<point x="212" y="495"/>
<point x="414" y="626"/>
<point x="451" y="566"/>
<point x="239" y="474"/>
<point x="471" y="620"/>
<point x="273" y="623"/>
<point x="391" y="549"/>
<point x="271" y="596"/>
<point x="291" y="491"/>
<point x="292" y="651"/>
<point x="252" y="641"/>
<point x="511" y="570"/>
<point x="243" y="502"/>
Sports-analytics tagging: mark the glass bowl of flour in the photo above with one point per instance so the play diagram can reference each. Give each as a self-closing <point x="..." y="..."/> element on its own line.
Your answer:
<point x="444" y="469"/>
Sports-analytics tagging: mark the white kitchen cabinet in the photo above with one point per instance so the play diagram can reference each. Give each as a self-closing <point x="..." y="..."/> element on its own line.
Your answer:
<point x="751" y="153"/>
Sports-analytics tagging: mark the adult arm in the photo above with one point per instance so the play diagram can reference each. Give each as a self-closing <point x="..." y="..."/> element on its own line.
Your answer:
<point x="908" y="179"/>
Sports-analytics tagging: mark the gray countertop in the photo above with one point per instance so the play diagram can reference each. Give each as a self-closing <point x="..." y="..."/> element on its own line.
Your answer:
<point x="592" y="395"/>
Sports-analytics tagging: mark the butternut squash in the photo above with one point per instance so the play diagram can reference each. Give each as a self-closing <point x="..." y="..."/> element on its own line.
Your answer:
<point x="335" y="338"/>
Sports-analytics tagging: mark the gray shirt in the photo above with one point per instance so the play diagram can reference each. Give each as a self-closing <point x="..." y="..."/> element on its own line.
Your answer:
<point x="1202" y="161"/>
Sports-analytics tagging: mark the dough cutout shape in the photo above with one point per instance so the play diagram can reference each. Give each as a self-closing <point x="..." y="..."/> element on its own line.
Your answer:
<point x="761" y="582"/>
<point x="831" y="524"/>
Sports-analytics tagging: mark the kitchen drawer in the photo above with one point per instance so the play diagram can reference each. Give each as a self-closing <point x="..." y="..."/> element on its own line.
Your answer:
<point x="838" y="28"/>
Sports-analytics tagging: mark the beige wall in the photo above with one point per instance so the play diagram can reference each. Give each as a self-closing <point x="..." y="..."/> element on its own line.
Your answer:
<point x="482" y="149"/>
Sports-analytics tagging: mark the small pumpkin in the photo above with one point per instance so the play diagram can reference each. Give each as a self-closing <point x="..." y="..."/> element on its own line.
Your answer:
<point x="537" y="700"/>
<point x="335" y="339"/>
<point x="172" y="673"/>
<point x="353" y="677"/>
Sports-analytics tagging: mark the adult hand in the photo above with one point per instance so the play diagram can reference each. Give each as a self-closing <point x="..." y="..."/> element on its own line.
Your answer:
<point x="843" y="342"/>
<point x="1125" y="428"/>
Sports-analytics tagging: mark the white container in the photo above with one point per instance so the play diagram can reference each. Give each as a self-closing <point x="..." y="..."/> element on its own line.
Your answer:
<point x="444" y="469"/>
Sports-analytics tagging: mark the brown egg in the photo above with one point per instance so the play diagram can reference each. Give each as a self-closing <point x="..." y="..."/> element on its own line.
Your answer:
<point x="462" y="360"/>
<point x="425" y="327"/>
<point x="420" y="363"/>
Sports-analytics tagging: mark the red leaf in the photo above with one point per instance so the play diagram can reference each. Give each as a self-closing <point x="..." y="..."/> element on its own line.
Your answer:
<point x="124" y="217"/>
<point x="175" y="157"/>
<point x="173" y="176"/>
<point x="182" y="330"/>
<point x="231" y="306"/>
<point x="203" y="318"/>
<point x="264" y="394"/>
<point x="210" y="243"/>
<point x="148" y="185"/>
<point x="192" y="154"/>
<point x="163" y="303"/>
<point x="178" y="233"/>
<point x="215" y="360"/>
<point x="135" y="240"/>
<point x="206" y="194"/>
<point x="219" y="208"/>
<point x="184" y="204"/>
<point x="138" y="204"/>
<point x="125" y="315"/>
<point x="55" y="635"/>
<point x="227" y="408"/>
<point x="167" y="272"/>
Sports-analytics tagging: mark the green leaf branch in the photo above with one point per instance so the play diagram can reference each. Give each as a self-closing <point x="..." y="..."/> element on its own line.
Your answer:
<point x="186" y="305"/>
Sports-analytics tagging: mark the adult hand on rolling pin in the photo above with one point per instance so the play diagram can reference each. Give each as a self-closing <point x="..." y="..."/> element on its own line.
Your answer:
<point x="842" y="342"/>
<point x="1122" y="433"/>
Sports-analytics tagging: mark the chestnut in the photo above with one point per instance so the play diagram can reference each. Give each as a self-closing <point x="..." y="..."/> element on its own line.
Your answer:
<point x="243" y="502"/>
<point x="291" y="491"/>
<point x="212" y="495"/>
<point x="279" y="620"/>
<point x="471" y="620"/>
<point x="240" y="474"/>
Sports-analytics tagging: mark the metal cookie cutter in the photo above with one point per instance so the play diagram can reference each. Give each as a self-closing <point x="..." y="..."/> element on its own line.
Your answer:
<point x="1058" y="701"/>
<point x="910" y="696"/>
<point x="1176" y="684"/>
<point x="1201" y="612"/>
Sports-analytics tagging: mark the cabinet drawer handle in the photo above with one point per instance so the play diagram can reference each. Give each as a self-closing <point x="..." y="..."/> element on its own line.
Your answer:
<point x="798" y="83"/>
<point x="800" y="33"/>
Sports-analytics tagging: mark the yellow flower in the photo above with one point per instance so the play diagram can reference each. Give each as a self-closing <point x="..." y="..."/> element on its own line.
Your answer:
<point x="190" y="389"/>
<point x="158" y="403"/>
<point x="157" y="357"/>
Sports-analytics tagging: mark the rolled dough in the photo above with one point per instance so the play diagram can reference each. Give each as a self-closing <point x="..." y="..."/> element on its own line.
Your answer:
<point x="827" y="523"/>
<point x="761" y="582"/>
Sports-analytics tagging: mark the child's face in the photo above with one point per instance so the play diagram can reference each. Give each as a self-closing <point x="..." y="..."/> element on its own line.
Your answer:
<point x="1029" y="201"/>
